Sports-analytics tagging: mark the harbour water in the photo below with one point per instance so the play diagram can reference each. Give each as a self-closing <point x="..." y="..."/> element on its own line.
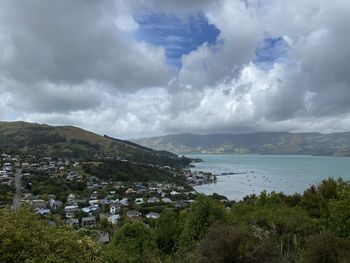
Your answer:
<point x="280" y="173"/>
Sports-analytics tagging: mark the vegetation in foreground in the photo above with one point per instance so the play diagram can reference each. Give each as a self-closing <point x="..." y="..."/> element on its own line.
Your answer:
<point x="313" y="227"/>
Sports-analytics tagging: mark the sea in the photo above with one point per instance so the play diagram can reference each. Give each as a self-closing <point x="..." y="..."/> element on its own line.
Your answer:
<point x="252" y="174"/>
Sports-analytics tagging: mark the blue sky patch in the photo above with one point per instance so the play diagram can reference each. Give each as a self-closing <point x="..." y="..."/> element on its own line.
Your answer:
<point x="270" y="51"/>
<point x="178" y="35"/>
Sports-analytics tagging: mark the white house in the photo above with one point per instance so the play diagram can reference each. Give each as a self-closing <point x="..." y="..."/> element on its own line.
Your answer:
<point x="153" y="200"/>
<point x="166" y="200"/>
<point x="70" y="210"/>
<point x="114" y="208"/>
<point x="113" y="219"/>
<point x="153" y="215"/>
<point x="139" y="201"/>
<point x="124" y="202"/>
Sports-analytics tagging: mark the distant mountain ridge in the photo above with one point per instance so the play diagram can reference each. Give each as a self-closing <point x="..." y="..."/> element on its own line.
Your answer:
<point x="334" y="144"/>
<point x="73" y="142"/>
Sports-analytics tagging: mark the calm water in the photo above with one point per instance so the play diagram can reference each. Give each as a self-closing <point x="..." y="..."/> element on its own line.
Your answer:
<point x="288" y="174"/>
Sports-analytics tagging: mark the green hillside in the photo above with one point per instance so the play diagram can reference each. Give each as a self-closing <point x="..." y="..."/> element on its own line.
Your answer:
<point x="335" y="144"/>
<point x="67" y="141"/>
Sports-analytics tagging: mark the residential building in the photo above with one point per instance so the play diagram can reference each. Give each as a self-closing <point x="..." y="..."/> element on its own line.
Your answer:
<point x="153" y="200"/>
<point x="133" y="215"/>
<point x="89" y="221"/>
<point x="70" y="210"/>
<point x="139" y="201"/>
<point x="152" y="215"/>
<point x="113" y="219"/>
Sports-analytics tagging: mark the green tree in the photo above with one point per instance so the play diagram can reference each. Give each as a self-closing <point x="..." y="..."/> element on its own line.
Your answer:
<point x="25" y="238"/>
<point x="326" y="248"/>
<point x="167" y="231"/>
<point x="203" y="213"/>
<point x="338" y="218"/>
<point x="220" y="245"/>
<point x="311" y="201"/>
<point x="132" y="243"/>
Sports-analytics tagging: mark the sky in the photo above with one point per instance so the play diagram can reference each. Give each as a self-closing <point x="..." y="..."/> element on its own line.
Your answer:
<point x="141" y="68"/>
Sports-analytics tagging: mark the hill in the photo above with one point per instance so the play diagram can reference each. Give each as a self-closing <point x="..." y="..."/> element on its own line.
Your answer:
<point x="67" y="141"/>
<point x="335" y="144"/>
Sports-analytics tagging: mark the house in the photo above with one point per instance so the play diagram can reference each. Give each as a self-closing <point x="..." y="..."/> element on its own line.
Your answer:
<point x="124" y="202"/>
<point x="38" y="204"/>
<point x="153" y="215"/>
<point x="155" y="190"/>
<point x="133" y="215"/>
<point x="181" y="203"/>
<point x="114" y="208"/>
<point x="43" y="211"/>
<point x="25" y="165"/>
<point x="153" y="200"/>
<point x="166" y="200"/>
<point x="119" y="185"/>
<point x="94" y="195"/>
<point x="111" y="193"/>
<point x="73" y="222"/>
<point x="54" y="204"/>
<point x="91" y="209"/>
<point x="89" y="221"/>
<point x="70" y="210"/>
<point x="130" y="191"/>
<point x="106" y="201"/>
<point x="73" y="176"/>
<point x="139" y="201"/>
<point x="93" y="202"/>
<point x="113" y="219"/>
<point x="71" y="199"/>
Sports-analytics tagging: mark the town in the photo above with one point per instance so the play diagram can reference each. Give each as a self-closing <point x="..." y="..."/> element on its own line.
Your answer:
<point x="62" y="190"/>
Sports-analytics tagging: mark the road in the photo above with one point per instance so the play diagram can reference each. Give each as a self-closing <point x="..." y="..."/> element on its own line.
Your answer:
<point x="17" y="195"/>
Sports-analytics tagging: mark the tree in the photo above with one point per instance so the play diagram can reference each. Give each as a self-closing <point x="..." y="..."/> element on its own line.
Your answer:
<point x="311" y="201"/>
<point x="25" y="238"/>
<point x="326" y="248"/>
<point x="167" y="231"/>
<point x="220" y="245"/>
<point x="328" y="189"/>
<point x="338" y="218"/>
<point x="203" y="213"/>
<point x="132" y="243"/>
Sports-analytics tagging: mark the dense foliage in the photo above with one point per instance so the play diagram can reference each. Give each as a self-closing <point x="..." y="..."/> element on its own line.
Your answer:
<point x="6" y="194"/>
<point x="272" y="227"/>
<point x="43" y="183"/>
<point x="313" y="227"/>
<point x="128" y="171"/>
<point x="25" y="238"/>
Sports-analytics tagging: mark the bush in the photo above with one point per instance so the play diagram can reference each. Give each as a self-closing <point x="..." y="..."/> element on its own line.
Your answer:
<point x="25" y="238"/>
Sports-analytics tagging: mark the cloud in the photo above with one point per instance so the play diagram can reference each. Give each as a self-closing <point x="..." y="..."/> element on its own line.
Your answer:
<point x="320" y="86"/>
<point x="275" y="65"/>
<point x="48" y="47"/>
<point x="239" y="36"/>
